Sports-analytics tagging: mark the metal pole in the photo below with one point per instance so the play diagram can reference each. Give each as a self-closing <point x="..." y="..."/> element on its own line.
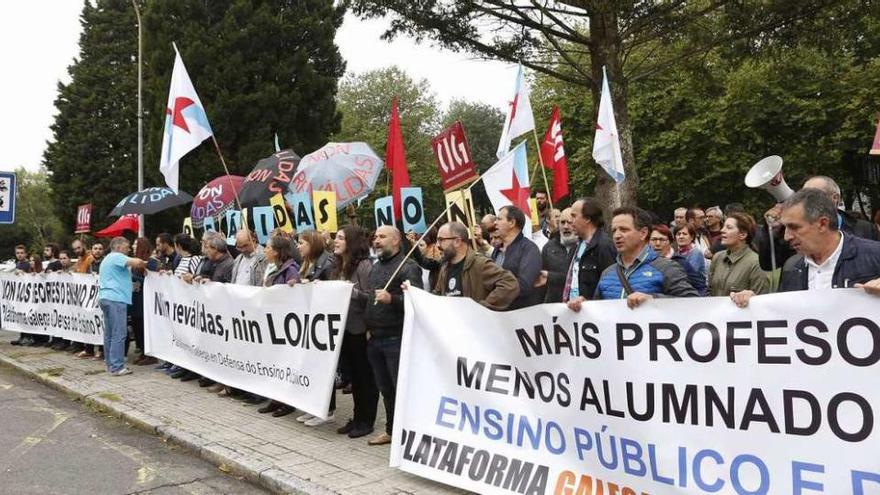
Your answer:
<point x="140" y="114"/>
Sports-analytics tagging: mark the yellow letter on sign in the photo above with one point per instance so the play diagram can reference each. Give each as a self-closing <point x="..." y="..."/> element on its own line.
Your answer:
<point x="282" y="218"/>
<point x="325" y="210"/>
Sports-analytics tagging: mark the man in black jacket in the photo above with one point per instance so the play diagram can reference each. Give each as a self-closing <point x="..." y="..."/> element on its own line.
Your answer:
<point x="846" y="223"/>
<point x="556" y="256"/>
<point x="384" y="317"/>
<point x="594" y="253"/>
<point x="519" y="256"/>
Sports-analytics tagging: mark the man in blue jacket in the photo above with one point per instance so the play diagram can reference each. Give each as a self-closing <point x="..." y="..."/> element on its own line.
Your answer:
<point x="639" y="275"/>
<point x="519" y="256"/>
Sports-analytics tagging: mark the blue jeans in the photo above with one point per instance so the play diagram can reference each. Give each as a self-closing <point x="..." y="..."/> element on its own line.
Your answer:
<point x="384" y="356"/>
<point x="115" y="333"/>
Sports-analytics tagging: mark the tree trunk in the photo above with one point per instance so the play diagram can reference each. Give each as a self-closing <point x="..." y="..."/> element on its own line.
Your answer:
<point x="606" y="50"/>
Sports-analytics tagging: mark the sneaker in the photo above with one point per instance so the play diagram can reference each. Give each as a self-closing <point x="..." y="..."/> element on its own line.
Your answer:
<point x="305" y="417"/>
<point x="122" y="372"/>
<point x="164" y="366"/>
<point x="316" y="421"/>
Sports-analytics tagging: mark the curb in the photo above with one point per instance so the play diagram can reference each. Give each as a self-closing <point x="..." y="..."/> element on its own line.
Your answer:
<point x="268" y="477"/>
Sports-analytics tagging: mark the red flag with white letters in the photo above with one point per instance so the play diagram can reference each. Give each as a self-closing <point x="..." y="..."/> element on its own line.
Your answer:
<point x="553" y="154"/>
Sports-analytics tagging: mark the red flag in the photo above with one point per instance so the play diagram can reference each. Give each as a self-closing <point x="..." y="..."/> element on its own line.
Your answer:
<point x="395" y="158"/>
<point x="553" y="155"/>
<point x="875" y="148"/>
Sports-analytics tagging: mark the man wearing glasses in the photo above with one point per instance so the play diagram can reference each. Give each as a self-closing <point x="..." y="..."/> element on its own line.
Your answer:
<point x="466" y="274"/>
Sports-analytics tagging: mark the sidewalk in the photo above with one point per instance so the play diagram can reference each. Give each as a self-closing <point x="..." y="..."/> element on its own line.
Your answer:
<point x="279" y="454"/>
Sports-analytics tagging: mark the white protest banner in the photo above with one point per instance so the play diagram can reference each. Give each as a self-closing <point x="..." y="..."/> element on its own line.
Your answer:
<point x="677" y="396"/>
<point x="278" y="342"/>
<point x="63" y="305"/>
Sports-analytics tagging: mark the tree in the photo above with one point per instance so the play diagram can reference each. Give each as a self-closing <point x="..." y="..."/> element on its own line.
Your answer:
<point x="259" y="67"/>
<point x="572" y="40"/>
<point x="35" y="221"/>
<point x="93" y="156"/>
<point x="365" y="105"/>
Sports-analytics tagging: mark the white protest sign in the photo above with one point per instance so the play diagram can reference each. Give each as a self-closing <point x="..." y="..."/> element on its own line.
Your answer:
<point x="63" y="305"/>
<point x="677" y="396"/>
<point x="279" y="342"/>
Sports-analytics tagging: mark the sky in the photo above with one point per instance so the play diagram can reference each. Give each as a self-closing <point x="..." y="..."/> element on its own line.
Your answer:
<point x="36" y="49"/>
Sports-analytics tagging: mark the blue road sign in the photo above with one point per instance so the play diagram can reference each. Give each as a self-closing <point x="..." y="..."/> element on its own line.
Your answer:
<point x="7" y="197"/>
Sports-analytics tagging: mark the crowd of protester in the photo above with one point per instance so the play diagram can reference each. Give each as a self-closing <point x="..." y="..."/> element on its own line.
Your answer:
<point x="572" y="257"/>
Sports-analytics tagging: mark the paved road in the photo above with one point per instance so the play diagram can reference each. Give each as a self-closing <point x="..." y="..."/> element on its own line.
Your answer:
<point x="52" y="445"/>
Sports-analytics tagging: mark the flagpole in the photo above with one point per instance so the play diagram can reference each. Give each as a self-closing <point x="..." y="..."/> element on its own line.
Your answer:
<point x="140" y="115"/>
<point x="543" y="168"/>
<point x="416" y="244"/>
<point x="226" y="169"/>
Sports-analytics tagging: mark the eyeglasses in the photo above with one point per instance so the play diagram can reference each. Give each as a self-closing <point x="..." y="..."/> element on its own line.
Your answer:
<point x="659" y="239"/>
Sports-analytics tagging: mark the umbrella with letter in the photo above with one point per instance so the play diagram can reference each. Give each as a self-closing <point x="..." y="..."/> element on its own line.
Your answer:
<point x="271" y="176"/>
<point x="349" y="169"/>
<point x="125" y="223"/>
<point x="215" y="198"/>
<point x="150" y="200"/>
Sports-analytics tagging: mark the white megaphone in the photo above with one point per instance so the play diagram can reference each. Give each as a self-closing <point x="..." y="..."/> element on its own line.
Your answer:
<point x="767" y="175"/>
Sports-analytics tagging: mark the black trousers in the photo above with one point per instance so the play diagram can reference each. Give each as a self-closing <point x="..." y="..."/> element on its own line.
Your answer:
<point x="137" y="324"/>
<point x="384" y="356"/>
<point x="363" y="384"/>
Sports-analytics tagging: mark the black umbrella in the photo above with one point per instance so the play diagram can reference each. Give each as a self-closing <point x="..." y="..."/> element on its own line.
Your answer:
<point x="150" y="200"/>
<point x="270" y="177"/>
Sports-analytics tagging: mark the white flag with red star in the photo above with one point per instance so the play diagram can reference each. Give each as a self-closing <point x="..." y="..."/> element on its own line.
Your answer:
<point x="507" y="183"/>
<point x="606" y="145"/>
<point x="186" y="123"/>
<point x="519" y="119"/>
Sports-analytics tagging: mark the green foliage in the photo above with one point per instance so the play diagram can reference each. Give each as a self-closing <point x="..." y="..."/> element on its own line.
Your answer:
<point x="93" y="158"/>
<point x="365" y="104"/>
<point x="35" y="221"/>
<point x="259" y="67"/>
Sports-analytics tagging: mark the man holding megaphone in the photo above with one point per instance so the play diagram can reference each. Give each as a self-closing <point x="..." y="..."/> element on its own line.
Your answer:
<point x="847" y="223"/>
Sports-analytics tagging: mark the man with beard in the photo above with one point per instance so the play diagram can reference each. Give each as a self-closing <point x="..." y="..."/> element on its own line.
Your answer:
<point x="466" y="274"/>
<point x="556" y="256"/>
<point x="384" y="316"/>
<point x="544" y="212"/>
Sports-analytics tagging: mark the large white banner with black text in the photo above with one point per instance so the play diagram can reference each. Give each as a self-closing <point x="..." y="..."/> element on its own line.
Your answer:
<point x="279" y="342"/>
<point x="677" y="396"/>
<point x="63" y="305"/>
